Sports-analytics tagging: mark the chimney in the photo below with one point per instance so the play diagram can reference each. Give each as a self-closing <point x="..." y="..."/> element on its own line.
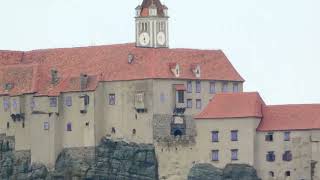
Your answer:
<point x="54" y="77"/>
<point x="83" y="81"/>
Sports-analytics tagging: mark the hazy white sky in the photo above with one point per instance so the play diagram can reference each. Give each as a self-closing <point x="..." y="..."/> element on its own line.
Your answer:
<point x="275" y="45"/>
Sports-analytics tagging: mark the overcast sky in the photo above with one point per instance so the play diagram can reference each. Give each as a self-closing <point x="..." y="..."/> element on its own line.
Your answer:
<point x="274" y="45"/>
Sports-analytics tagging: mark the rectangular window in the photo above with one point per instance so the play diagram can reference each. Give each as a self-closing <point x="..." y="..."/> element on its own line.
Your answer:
<point x="215" y="136"/>
<point x="234" y="154"/>
<point x="86" y="100"/>
<point x="189" y="87"/>
<point x="269" y="137"/>
<point x="112" y="99"/>
<point x="235" y="87"/>
<point x="225" y="87"/>
<point x="32" y="104"/>
<point x="46" y="125"/>
<point x="53" y="101"/>
<point x="68" y="101"/>
<point x="180" y="96"/>
<point x="212" y="87"/>
<point x="286" y="136"/>
<point x="271" y="156"/>
<point x="198" y="103"/>
<point x="215" y="155"/>
<point x="198" y="86"/>
<point x="234" y="135"/>
<point x="6" y="104"/>
<point x="189" y="103"/>
<point x="69" y="127"/>
<point x="14" y="104"/>
<point x="287" y="156"/>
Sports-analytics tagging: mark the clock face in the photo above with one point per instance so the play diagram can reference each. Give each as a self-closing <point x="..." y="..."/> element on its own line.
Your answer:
<point x="161" y="38"/>
<point x="144" y="39"/>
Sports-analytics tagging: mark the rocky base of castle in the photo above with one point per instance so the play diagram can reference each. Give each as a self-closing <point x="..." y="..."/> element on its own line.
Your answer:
<point x="230" y="172"/>
<point x="109" y="161"/>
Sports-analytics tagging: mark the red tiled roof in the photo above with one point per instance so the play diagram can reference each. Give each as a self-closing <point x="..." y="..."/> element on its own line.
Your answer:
<point x="110" y="63"/>
<point x="290" y="117"/>
<point x="146" y="5"/>
<point x="273" y="118"/>
<point x="23" y="78"/>
<point x="233" y="105"/>
<point x="10" y="57"/>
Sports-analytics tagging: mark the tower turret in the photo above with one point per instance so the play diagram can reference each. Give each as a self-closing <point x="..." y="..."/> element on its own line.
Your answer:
<point x="152" y="24"/>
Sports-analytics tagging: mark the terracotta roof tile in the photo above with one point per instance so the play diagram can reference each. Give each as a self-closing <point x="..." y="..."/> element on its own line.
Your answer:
<point x="23" y="78"/>
<point x="10" y="57"/>
<point x="233" y="105"/>
<point x="146" y="5"/>
<point x="273" y="118"/>
<point x="180" y="87"/>
<point x="110" y="63"/>
<point x="290" y="117"/>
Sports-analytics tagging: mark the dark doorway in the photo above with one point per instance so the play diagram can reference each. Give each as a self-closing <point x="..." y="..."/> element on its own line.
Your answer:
<point x="177" y="132"/>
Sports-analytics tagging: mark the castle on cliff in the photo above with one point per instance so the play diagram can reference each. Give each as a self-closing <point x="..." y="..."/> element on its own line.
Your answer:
<point x="188" y="103"/>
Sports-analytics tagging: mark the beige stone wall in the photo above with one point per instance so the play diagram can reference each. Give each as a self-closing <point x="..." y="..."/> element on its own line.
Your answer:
<point x="246" y="128"/>
<point x="17" y="129"/>
<point x="300" y="146"/>
<point x="165" y="88"/>
<point x="315" y="139"/>
<point x="81" y="134"/>
<point x="123" y="115"/>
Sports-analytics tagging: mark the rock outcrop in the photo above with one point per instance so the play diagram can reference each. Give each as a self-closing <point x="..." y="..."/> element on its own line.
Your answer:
<point x="111" y="160"/>
<point x="230" y="172"/>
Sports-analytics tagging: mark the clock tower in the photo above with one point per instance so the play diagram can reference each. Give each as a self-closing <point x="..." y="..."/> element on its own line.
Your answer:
<point x="152" y="25"/>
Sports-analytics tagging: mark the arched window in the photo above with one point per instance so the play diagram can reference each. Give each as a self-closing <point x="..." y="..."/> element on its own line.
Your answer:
<point x="177" y="132"/>
<point x="271" y="173"/>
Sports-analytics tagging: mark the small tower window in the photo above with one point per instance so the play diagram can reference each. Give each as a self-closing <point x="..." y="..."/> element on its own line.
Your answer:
<point x="113" y="130"/>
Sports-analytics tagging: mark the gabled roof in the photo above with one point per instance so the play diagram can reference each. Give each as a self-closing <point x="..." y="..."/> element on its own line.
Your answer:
<point x="290" y="117"/>
<point x="273" y="118"/>
<point x="110" y="63"/>
<point x="233" y="105"/>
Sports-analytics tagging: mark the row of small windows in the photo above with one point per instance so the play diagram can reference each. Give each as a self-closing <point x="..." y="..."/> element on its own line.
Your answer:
<point x="234" y="155"/>
<point x="53" y="102"/>
<point x="271" y="157"/>
<point x="269" y="137"/>
<point x="286" y="174"/>
<point x="212" y="88"/>
<point x="161" y="26"/>
<point x="233" y="136"/>
<point x="144" y="26"/>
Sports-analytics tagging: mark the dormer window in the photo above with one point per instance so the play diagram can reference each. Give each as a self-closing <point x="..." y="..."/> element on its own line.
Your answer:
<point x="175" y="69"/>
<point x="130" y="58"/>
<point x="8" y="86"/>
<point x="196" y="70"/>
